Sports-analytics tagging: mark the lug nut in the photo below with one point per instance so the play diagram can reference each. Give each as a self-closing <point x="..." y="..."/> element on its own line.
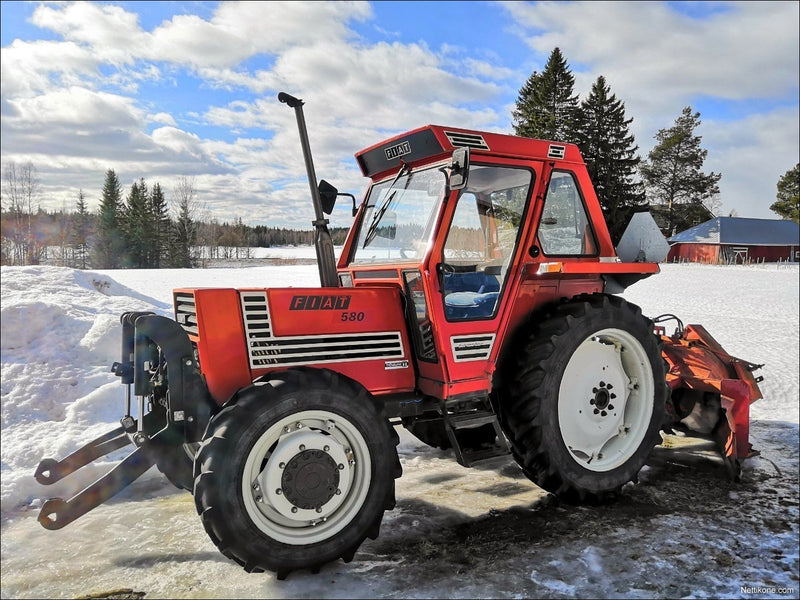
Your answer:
<point x="258" y="498"/>
<point x="255" y="486"/>
<point x="279" y="491"/>
<point x="282" y="466"/>
<point x="338" y="492"/>
<point x="302" y="447"/>
<point x="294" y="509"/>
<point x="341" y="466"/>
<point x="319" y="509"/>
<point x="326" y="448"/>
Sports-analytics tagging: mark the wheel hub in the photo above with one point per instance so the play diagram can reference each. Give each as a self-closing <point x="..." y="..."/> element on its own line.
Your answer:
<point x="601" y="401"/>
<point x="307" y="476"/>
<point x="310" y="479"/>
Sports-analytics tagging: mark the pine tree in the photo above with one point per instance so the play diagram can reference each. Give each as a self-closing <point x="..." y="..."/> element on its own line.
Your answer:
<point x="787" y="204"/>
<point x="546" y="107"/>
<point x="81" y="223"/>
<point x="110" y="242"/>
<point x="673" y="175"/>
<point x="138" y="227"/>
<point x="161" y="228"/>
<point x="610" y="152"/>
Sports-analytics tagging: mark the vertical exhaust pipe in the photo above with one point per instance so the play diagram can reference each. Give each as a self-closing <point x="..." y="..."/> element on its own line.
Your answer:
<point x="326" y="259"/>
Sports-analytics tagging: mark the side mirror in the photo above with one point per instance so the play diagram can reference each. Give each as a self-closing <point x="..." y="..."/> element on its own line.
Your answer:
<point x="459" y="169"/>
<point x="328" y="195"/>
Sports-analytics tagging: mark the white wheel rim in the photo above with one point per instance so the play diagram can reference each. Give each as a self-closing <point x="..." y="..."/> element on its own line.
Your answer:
<point x="291" y="471"/>
<point x="605" y="400"/>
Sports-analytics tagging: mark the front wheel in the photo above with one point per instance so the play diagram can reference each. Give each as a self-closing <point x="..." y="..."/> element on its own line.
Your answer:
<point x="588" y="399"/>
<point x="297" y="473"/>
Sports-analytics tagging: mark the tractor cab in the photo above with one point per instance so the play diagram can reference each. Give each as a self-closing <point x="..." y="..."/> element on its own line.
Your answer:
<point x="476" y="230"/>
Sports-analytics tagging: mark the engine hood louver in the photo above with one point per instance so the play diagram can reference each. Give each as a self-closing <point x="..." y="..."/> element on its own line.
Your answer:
<point x="265" y="349"/>
<point x="472" y="347"/>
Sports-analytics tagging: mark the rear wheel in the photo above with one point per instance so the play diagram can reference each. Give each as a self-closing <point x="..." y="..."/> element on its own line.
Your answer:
<point x="177" y="464"/>
<point x="584" y="409"/>
<point x="297" y="473"/>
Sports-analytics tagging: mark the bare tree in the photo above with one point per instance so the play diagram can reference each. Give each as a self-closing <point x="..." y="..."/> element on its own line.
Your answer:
<point x="185" y="252"/>
<point x="21" y="189"/>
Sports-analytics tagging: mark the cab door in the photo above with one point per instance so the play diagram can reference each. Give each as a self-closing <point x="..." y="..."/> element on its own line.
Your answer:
<point x="474" y="262"/>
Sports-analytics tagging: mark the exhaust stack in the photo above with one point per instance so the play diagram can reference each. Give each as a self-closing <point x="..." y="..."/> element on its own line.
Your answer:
<point x="323" y="244"/>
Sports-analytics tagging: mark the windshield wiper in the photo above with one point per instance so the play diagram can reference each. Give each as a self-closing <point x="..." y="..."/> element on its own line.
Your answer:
<point x="376" y="218"/>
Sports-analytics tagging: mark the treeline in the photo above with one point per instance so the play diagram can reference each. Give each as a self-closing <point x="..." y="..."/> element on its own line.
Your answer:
<point x="140" y="230"/>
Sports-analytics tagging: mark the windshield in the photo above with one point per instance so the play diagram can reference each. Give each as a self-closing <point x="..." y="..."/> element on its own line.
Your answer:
<point x="398" y="218"/>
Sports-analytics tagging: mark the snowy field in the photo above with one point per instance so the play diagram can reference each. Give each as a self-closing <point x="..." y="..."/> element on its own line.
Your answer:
<point x="684" y="531"/>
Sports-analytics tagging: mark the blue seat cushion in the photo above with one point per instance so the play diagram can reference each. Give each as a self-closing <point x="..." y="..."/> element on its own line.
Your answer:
<point x="470" y="305"/>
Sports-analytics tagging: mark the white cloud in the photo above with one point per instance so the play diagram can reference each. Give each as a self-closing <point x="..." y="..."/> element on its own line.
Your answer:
<point x="659" y="59"/>
<point x="752" y="154"/>
<point x="28" y="68"/>
<point x="162" y="117"/>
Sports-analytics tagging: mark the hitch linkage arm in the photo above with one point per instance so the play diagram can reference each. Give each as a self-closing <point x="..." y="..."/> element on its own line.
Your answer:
<point x="183" y="420"/>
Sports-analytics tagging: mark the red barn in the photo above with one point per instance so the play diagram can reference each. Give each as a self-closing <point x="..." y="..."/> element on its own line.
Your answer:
<point x="737" y="240"/>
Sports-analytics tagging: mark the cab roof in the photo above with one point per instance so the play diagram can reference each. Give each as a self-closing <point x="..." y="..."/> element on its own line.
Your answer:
<point x="433" y="140"/>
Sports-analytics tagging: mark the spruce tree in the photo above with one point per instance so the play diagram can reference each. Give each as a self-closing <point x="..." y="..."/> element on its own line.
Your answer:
<point x="110" y="242"/>
<point x="81" y="224"/>
<point x="161" y="226"/>
<point x="787" y="204"/>
<point x="610" y="152"/>
<point x="673" y="176"/>
<point x="546" y="106"/>
<point x="138" y="227"/>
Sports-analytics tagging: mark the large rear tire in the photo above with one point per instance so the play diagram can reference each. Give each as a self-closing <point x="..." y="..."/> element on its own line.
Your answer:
<point x="297" y="472"/>
<point x="587" y="400"/>
<point x="177" y="464"/>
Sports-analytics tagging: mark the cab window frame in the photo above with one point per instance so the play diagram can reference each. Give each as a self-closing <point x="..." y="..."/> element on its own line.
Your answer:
<point x="579" y="191"/>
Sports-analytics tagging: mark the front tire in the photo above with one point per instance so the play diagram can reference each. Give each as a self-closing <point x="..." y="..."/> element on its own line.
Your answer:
<point x="297" y="472"/>
<point x="588" y="397"/>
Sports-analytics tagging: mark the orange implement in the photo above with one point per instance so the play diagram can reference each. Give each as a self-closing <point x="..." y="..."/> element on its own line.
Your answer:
<point x="699" y="370"/>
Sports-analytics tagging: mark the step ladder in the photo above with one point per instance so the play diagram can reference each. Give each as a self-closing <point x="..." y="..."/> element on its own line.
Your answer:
<point x="462" y="419"/>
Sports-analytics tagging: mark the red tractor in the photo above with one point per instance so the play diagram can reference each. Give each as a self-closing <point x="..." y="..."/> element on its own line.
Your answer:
<point x="473" y="303"/>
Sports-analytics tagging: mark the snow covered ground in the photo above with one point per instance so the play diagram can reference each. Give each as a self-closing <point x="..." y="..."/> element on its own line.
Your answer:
<point x="684" y="531"/>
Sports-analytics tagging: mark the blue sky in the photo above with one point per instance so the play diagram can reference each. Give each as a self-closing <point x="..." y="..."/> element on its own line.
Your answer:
<point x="164" y="90"/>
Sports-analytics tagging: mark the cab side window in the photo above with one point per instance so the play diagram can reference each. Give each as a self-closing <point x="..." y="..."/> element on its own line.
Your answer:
<point x="564" y="229"/>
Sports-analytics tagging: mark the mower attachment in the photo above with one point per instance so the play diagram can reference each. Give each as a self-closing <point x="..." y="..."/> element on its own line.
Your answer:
<point x="711" y="391"/>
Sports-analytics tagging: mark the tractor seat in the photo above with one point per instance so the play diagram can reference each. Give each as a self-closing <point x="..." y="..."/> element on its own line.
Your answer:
<point x="471" y="295"/>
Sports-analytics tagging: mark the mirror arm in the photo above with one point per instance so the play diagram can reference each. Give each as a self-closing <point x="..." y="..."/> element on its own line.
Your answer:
<point x="351" y="196"/>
